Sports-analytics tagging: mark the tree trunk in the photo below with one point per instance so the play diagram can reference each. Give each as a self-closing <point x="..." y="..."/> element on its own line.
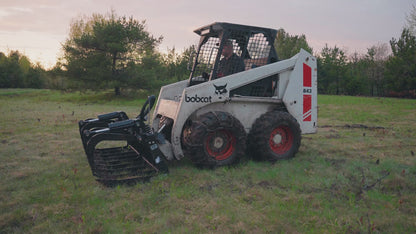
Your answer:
<point x="117" y="91"/>
<point x="114" y="73"/>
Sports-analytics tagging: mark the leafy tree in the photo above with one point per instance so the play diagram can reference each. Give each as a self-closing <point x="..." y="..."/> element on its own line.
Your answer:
<point x="16" y="71"/>
<point x="35" y="77"/>
<point x="101" y="48"/>
<point x="332" y="68"/>
<point x="177" y="64"/>
<point x="401" y="67"/>
<point x="4" y="79"/>
<point x="56" y="77"/>
<point x="11" y="72"/>
<point x="355" y="78"/>
<point x="287" y="45"/>
<point x="150" y="73"/>
<point x="374" y="69"/>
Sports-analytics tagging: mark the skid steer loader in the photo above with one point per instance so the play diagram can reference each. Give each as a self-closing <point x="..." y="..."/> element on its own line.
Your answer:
<point x="239" y="99"/>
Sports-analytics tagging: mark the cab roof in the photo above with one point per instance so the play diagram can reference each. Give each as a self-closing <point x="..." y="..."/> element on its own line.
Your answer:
<point x="219" y="27"/>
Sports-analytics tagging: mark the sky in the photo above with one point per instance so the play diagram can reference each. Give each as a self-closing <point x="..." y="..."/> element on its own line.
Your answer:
<point x="37" y="28"/>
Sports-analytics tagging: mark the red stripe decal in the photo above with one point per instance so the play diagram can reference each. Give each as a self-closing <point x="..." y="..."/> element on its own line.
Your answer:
<point x="307" y="98"/>
<point x="307" y="107"/>
<point x="307" y="76"/>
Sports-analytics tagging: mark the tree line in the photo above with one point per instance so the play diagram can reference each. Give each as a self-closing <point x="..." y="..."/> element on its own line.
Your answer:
<point x="16" y="71"/>
<point x="376" y="73"/>
<point x="109" y="51"/>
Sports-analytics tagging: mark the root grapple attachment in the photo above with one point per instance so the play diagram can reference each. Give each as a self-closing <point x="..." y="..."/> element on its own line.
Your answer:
<point x="122" y="150"/>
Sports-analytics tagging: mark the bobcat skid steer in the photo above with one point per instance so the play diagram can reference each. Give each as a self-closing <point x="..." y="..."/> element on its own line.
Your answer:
<point x="240" y="99"/>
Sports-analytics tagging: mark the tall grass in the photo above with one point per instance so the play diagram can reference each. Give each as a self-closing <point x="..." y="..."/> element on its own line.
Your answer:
<point x="357" y="174"/>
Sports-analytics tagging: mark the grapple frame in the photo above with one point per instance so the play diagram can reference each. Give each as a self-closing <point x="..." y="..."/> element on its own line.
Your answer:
<point x="135" y="157"/>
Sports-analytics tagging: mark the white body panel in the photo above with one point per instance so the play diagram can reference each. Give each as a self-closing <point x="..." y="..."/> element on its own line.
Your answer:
<point x="296" y="89"/>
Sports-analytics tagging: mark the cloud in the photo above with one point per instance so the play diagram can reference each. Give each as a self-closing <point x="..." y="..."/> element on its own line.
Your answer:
<point x="38" y="18"/>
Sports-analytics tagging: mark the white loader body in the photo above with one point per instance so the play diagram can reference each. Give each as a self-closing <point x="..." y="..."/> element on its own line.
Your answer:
<point x="295" y="89"/>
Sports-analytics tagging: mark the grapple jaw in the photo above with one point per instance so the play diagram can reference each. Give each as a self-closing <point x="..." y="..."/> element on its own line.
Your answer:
<point x="122" y="150"/>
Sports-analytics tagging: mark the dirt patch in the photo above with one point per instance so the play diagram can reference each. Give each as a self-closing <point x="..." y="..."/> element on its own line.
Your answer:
<point x="265" y="184"/>
<point x="333" y="136"/>
<point x="353" y="126"/>
<point x="337" y="163"/>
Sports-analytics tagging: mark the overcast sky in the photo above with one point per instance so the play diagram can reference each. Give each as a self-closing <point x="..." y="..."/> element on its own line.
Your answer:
<point x="38" y="27"/>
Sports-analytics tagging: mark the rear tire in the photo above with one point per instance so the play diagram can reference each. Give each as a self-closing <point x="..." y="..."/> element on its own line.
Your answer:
<point x="214" y="139"/>
<point x="274" y="135"/>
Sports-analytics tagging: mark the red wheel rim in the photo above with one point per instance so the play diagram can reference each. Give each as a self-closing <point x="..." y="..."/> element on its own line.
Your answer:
<point x="281" y="140"/>
<point x="220" y="144"/>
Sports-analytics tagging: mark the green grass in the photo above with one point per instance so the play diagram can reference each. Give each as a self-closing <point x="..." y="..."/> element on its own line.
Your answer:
<point x="344" y="179"/>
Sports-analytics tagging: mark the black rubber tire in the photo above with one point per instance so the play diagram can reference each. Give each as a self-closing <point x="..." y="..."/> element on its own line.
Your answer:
<point x="275" y="135"/>
<point x="214" y="139"/>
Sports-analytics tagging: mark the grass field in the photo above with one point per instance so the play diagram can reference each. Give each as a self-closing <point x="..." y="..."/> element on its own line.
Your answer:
<point x="356" y="175"/>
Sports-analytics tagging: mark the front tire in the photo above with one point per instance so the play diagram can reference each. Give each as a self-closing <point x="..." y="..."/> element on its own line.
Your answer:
<point x="214" y="139"/>
<point x="274" y="135"/>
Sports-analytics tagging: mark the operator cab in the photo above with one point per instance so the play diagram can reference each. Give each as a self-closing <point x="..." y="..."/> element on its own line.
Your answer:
<point x="253" y="45"/>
